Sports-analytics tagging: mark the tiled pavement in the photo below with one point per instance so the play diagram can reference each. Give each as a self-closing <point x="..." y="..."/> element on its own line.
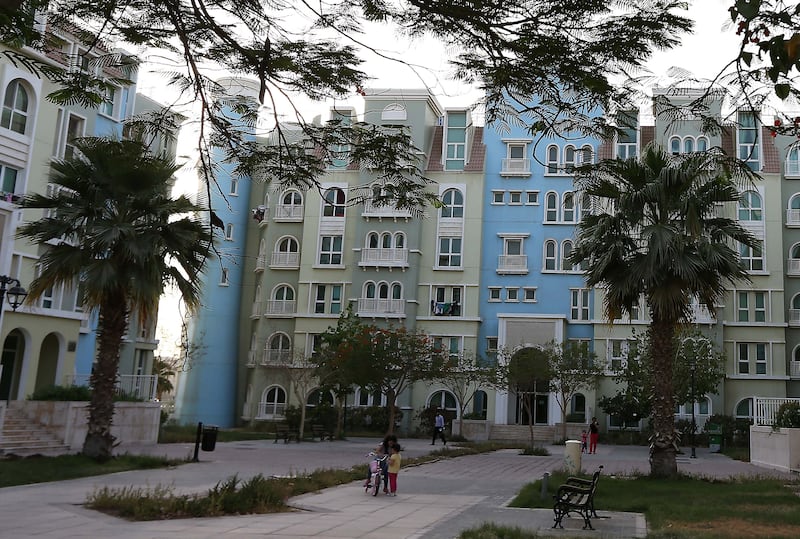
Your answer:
<point x="435" y="500"/>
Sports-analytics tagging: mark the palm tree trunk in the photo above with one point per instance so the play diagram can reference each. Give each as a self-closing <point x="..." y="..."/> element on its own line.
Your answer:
<point x="664" y="440"/>
<point x="113" y="322"/>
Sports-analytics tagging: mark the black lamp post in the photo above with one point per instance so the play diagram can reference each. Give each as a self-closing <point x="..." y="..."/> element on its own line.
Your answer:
<point x="16" y="294"/>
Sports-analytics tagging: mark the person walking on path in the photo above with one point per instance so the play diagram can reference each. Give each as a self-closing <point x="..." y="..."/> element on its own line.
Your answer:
<point x="438" y="428"/>
<point x="594" y="434"/>
<point x="394" y="469"/>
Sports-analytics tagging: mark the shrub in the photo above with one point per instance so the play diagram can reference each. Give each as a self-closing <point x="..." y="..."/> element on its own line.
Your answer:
<point x="62" y="393"/>
<point x="535" y="451"/>
<point x="787" y="416"/>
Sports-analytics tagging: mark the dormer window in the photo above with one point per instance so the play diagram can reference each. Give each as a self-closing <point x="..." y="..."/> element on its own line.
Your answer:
<point x="456" y="141"/>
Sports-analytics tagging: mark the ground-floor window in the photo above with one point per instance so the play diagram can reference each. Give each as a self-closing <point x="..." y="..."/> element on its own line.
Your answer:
<point x="273" y="403"/>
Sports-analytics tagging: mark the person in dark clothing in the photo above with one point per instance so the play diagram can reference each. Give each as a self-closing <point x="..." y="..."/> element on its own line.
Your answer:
<point x="594" y="434"/>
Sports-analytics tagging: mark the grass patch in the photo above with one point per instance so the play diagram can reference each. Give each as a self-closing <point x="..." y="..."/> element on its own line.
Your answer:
<point x="692" y="507"/>
<point x="536" y="451"/>
<point x="39" y="469"/>
<point x="493" y="531"/>
<point x="176" y="434"/>
<point x="737" y="453"/>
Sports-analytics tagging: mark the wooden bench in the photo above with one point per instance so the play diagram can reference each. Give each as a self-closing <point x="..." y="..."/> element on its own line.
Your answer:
<point x="319" y="431"/>
<point x="283" y="432"/>
<point x="576" y="496"/>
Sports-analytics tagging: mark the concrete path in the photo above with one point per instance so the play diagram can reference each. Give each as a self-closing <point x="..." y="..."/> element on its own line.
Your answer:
<point x="435" y="500"/>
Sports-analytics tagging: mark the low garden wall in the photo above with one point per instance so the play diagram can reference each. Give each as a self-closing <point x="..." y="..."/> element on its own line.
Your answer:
<point x="777" y="449"/>
<point x="475" y="430"/>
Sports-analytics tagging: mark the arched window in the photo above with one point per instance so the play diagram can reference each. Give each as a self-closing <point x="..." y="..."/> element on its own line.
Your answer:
<point x="372" y="240"/>
<point x="279" y="342"/>
<point x="400" y="240"/>
<point x="262" y="248"/>
<point x="453" y="201"/>
<point x="675" y="145"/>
<point x="369" y="290"/>
<point x="550" y="255"/>
<point x="383" y="291"/>
<point x="386" y="240"/>
<point x="569" y="159"/>
<point x="744" y="409"/>
<point x="292" y="198"/>
<point x="365" y="398"/>
<point x="568" y="208"/>
<point x="287" y="245"/>
<point x="688" y="145"/>
<point x="15" y="108"/>
<point x="229" y="232"/>
<point x="334" y="203"/>
<point x="397" y="291"/>
<point x="794" y="252"/>
<point x="283" y="293"/>
<point x="794" y="202"/>
<point x="750" y="206"/>
<point x="796" y="353"/>
<point x="444" y="400"/>
<point x="566" y="250"/>
<point x="273" y="402"/>
<point x="702" y="144"/>
<point x="586" y="155"/>
<point x="318" y="397"/>
<point x="394" y="112"/>
<point x="551" y="208"/>
<point x="586" y="206"/>
<point x="552" y="159"/>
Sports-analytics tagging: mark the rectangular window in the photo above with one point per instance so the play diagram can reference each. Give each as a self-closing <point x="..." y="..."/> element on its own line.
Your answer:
<point x="579" y="304"/>
<point x="532" y="198"/>
<point x="328" y="299"/>
<point x="498" y="197"/>
<point x="234" y="186"/>
<point x="748" y="138"/>
<point x="628" y="134"/>
<point x="456" y="141"/>
<point x="108" y="106"/>
<point x="529" y="295"/>
<point x="515" y="198"/>
<point x="223" y="277"/>
<point x="75" y="129"/>
<point x="446" y="300"/>
<point x="761" y="358"/>
<point x="449" y="252"/>
<point x="491" y="344"/>
<point x="760" y="307"/>
<point x="8" y="176"/>
<point x="617" y="354"/>
<point x="512" y="294"/>
<point x="330" y="253"/>
<point x="451" y="346"/>
<point x="494" y="293"/>
<point x="744" y="359"/>
<point x="751" y="258"/>
<point x="744" y="312"/>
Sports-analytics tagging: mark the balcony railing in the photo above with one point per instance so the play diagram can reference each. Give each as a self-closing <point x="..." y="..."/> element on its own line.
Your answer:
<point x="792" y="168"/>
<point x="701" y="314"/>
<point x="285" y="260"/>
<point x="268" y="410"/>
<point x="139" y="386"/>
<point x="794" y="369"/>
<point x="386" y="210"/>
<point x="257" y="310"/>
<point x="793" y="266"/>
<point x="276" y="357"/>
<point x="261" y="262"/>
<point x="252" y="357"/>
<point x="280" y="306"/>
<point x="288" y="212"/>
<point x="382" y="307"/>
<point x="794" y="317"/>
<point x="792" y="217"/>
<point x="766" y="408"/>
<point x="512" y="264"/>
<point x="384" y="257"/>
<point x="516" y="167"/>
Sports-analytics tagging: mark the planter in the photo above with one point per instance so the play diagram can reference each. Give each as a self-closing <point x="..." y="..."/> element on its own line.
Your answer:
<point x="775" y="449"/>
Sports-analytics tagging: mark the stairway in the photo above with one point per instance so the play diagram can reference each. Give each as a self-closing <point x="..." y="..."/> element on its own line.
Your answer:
<point x="22" y="437"/>
<point x="543" y="434"/>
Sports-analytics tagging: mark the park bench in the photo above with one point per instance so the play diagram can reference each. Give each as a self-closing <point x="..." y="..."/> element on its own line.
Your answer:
<point x="576" y="496"/>
<point x="319" y="431"/>
<point x="283" y="432"/>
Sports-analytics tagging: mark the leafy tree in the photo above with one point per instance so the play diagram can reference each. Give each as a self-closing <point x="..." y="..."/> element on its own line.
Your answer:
<point x="465" y="379"/>
<point x="112" y="225"/>
<point x="303" y="379"/>
<point x="656" y="234"/>
<point x="526" y="371"/>
<point x="573" y="369"/>
<point x="165" y="371"/>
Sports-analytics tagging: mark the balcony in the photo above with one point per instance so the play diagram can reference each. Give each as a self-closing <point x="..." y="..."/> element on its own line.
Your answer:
<point x="793" y="267"/>
<point x="794" y="369"/>
<point x="139" y="386"/>
<point x="260" y="214"/>
<point x="516" y="167"/>
<point x="792" y="169"/>
<point x="257" y="310"/>
<point x="269" y="410"/>
<point x="700" y="314"/>
<point x="384" y="258"/>
<point x="386" y="211"/>
<point x="794" y="317"/>
<point x="285" y="261"/>
<point x="289" y="213"/>
<point x="274" y="357"/>
<point x="261" y="263"/>
<point x="512" y="264"/>
<point x="252" y="356"/>
<point x="394" y="308"/>
<point x="280" y="307"/>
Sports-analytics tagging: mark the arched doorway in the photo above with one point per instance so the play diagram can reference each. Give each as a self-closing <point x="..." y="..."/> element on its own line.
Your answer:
<point x="11" y="361"/>
<point x="48" y="362"/>
<point x="529" y="380"/>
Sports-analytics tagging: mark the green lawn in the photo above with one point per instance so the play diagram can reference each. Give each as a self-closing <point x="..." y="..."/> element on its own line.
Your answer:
<point x="40" y="469"/>
<point x="691" y="507"/>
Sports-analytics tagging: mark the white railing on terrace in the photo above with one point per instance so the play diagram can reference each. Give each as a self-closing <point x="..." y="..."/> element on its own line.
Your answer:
<point x="142" y="386"/>
<point x="268" y="410"/>
<point x="793" y="266"/>
<point x="793" y="217"/>
<point x="794" y="369"/>
<point x="280" y="306"/>
<point x="288" y="212"/>
<point x="794" y="317"/>
<point x="257" y="310"/>
<point x="285" y="260"/>
<point x="386" y="210"/>
<point x="273" y="357"/>
<point x="513" y="166"/>
<point x="792" y="168"/>
<point x="512" y="263"/>
<point x="701" y="314"/>
<point x="384" y="256"/>
<point x="766" y="408"/>
<point x="381" y="306"/>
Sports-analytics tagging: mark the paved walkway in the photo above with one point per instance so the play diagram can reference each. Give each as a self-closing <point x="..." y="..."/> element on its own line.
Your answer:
<point x="435" y="500"/>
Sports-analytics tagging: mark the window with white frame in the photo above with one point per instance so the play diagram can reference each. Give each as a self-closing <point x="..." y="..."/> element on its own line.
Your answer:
<point x="748" y="138"/>
<point x="531" y="198"/>
<point x="108" y="107"/>
<point x="793" y="213"/>
<point x="282" y="300"/>
<point x="453" y="204"/>
<point x="498" y="197"/>
<point x="529" y="294"/>
<point x="451" y="346"/>
<point x="586" y="155"/>
<point x="224" y="277"/>
<point x="73" y="128"/>
<point x="752" y="357"/>
<point x="491" y="344"/>
<point x="333" y="203"/>
<point x="550" y="255"/>
<point x="566" y="251"/>
<point x="628" y="134"/>
<point x="340" y="151"/>
<point x="234" y="190"/>
<point x="617" y="354"/>
<point x="579" y="304"/>
<point x="327" y="299"/>
<point x="750" y="208"/>
<point x="744" y="409"/>
<point x="512" y="294"/>
<point x="455" y="140"/>
<point x="568" y="208"/>
<point x="449" y="255"/>
<point x="551" y="164"/>
<point x="229" y="232"/>
<point x="494" y="293"/>
<point x="792" y="166"/>
<point x="515" y="161"/>
<point x="751" y="258"/>
<point x="15" y="108"/>
<point x="446" y="300"/>
<point x="515" y="198"/>
<point x="330" y="250"/>
<point x="551" y="208"/>
<point x="364" y="397"/>
<point x="585" y="209"/>
<point x="8" y="180"/>
<point x="569" y="159"/>
<point x="752" y="306"/>
<point x="273" y="402"/>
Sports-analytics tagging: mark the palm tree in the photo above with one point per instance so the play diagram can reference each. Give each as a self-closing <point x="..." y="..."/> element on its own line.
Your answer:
<point x="656" y="233"/>
<point x="111" y="225"/>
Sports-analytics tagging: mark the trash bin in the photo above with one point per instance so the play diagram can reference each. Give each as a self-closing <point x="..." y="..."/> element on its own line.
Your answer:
<point x="572" y="457"/>
<point x="714" y="437"/>
<point x="209" y="440"/>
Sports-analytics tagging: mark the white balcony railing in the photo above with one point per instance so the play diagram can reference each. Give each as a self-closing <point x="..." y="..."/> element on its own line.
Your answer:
<point x="701" y="314"/>
<point x="288" y="212"/>
<point x="386" y="257"/>
<point x="267" y="410"/>
<point x="261" y="262"/>
<point x="280" y="306"/>
<point x="285" y="260"/>
<point x="516" y="166"/>
<point x="766" y="408"/>
<point x="794" y="317"/>
<point x="382" y="307"/>
<point x="792" y="168"/>
<point x="512" y="263"/>
<point x="140" y="386"/>
<point x="252" y="357"/>
<point x="257" y="309"/>
<point x="276" y="357"/>
<point x="794" y="369"/>
<point x="793" y="266"/>
<point x="792" y="217"/>
<point x="385" y="210"/>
